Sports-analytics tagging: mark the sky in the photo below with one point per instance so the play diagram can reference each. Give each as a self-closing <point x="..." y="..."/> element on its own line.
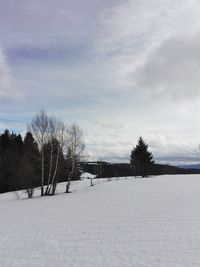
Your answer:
<point x="121" y="69"/>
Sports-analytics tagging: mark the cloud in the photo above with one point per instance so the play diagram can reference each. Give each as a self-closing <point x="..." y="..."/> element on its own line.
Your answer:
<point x="4" y="75"/>
<point x="48" y="22"/>
<point x="134" y="27"/>
<point x="135" y="35"/>
<point x="109" y="124"/>
<point x="173" y="150"/>
<point x="173" y="69"/>
<point x="103" y="64"/>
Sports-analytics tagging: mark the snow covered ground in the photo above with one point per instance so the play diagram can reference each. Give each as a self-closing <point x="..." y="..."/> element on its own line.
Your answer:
<point x="152" y="222"/>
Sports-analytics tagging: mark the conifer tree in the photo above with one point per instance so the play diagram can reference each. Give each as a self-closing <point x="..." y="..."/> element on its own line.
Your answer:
<point x="141" y="159"/>
<point x="27" y="170"/>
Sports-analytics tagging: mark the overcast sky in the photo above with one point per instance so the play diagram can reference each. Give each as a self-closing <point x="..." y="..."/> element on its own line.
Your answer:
<point x="119" y="68"/>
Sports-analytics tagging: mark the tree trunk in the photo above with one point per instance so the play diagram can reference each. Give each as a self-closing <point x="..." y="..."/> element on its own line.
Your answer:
<point x="68" y="183"/>
<point x="50" y="171"/>
<point x="53" y="185"/>
<point x="42" y="178"/>
<point x="70" y="177"/>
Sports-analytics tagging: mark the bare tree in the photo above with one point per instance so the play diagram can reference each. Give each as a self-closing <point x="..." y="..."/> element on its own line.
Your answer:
<point x="48" y="131"/>
<point x="39" y="129"/>
<point x="62" y="137"/>
<point x="76" y="147"/>
<point x="53" y="134"/>
<point x="56" y="137"/>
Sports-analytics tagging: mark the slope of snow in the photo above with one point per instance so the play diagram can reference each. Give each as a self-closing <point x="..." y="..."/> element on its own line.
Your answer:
<point x="151" y="222"/>
<point x="78" y="185"/>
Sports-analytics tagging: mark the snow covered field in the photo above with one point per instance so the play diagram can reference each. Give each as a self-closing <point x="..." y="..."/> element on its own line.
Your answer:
<point x="152" y="222"/>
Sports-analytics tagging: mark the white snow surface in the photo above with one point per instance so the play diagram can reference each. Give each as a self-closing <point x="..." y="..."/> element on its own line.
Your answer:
<point x="87" y="175"/>
<point x="150" y="222"/>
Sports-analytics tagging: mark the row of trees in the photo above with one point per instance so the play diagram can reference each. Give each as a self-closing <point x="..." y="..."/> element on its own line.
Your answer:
<point x="48" y="154"/>
<point x="141" y="164"/>
<point x="51" y="152"/>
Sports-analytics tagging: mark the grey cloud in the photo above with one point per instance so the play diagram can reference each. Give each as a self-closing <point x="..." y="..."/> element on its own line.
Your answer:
<point x="177" y="160"/>
<point x="173" y="69"/>
<point x="109" y="124"/>
<point x="68" y="54"/>
<point x="49" y="21"/>
<point x="3" y="71"/>
<point x="4" y="76"/>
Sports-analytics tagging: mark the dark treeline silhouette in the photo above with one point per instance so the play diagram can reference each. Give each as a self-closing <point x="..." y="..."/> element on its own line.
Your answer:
<point x="20" y="163"/>
<point x="125" y="169"/>
<point x="141" y="165"/>
<point x="17" y="159"/>
<point x="51" y="152"/>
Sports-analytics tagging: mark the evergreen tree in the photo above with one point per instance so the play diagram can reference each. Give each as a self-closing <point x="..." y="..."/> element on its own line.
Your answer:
<point x="18" y="162"/>
<point x="141" y="159"/>
<point x="30" y="146"/>
<point x="11" y="146"/>
<point x="28" y="169"/>
<point x="5" y="142"/>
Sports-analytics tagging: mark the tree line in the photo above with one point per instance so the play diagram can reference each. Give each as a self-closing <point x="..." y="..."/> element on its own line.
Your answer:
<point x="52" y="152"/>
<point x="49" y="153"/>
<point x="141" y="165"/>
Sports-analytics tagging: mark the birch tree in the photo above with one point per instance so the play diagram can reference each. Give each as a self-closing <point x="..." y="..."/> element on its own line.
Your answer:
<point x="76" y="147"/>
<point x="62" y="138"/>
<point x="39" y="128"/>
<point x="54" y="139"/>
<point x="49" y="132"/>
<point x="51" y="142"/>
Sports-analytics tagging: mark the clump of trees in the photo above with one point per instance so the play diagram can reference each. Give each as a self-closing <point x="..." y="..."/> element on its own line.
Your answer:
<point x="141" y="159"/>
<point x="52" y="152"/>
<point x="18" y="162"/>
<point x="49" y="153"/>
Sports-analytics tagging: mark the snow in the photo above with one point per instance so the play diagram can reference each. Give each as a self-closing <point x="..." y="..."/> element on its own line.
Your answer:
<point x="150" y="222"/>
<point x="78" y="185"/>
<point x="87" y="175"/>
